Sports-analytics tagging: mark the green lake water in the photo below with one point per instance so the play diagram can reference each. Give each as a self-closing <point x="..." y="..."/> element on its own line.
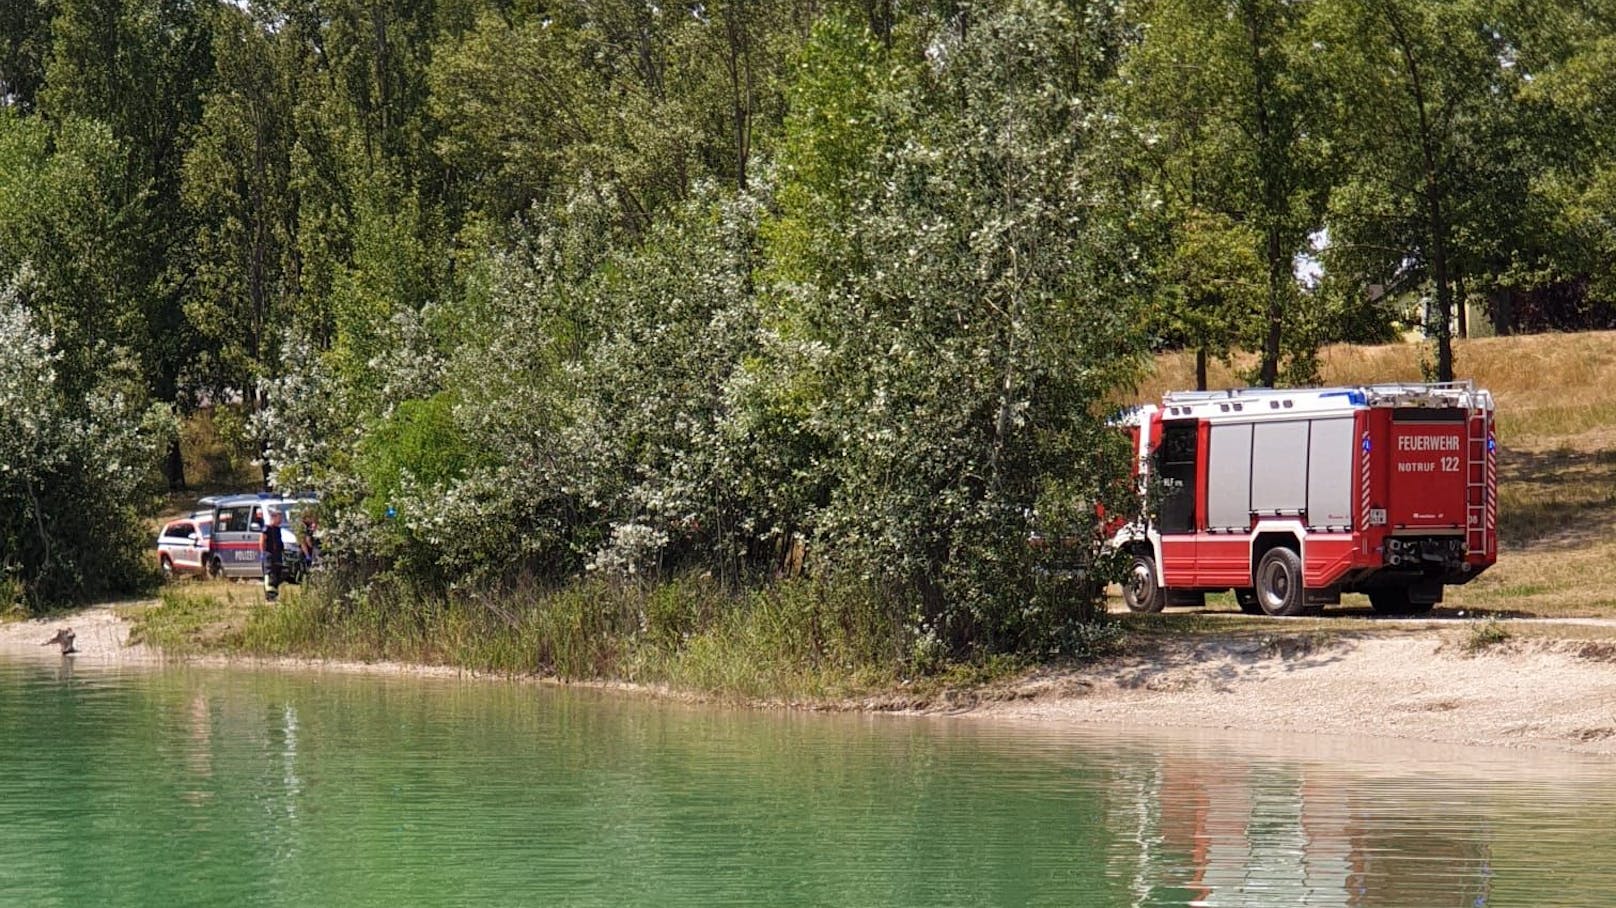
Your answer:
<point x="235" y="787"/>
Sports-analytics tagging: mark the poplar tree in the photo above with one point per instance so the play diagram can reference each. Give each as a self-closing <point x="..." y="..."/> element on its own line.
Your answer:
<point x="1421" y="88"/>
<point x="1219" y="100"/>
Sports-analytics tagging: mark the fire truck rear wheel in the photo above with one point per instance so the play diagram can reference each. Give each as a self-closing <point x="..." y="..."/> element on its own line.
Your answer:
<point x="1140" y="591"/>
<point x="1279" y="583"/>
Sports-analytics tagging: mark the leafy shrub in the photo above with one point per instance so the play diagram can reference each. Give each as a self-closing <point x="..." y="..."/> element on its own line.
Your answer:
<point x="75" y="472"/>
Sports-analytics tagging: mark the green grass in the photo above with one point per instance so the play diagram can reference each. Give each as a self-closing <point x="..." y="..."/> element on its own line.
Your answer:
<point x="796" y="641"/>
<point x="185" y="621"/>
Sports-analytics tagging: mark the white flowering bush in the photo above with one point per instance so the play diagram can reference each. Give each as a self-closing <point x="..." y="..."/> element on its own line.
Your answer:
<point x="75" y="473"/>
<point x="306" y="421"/>
<point x="649" y="421"/>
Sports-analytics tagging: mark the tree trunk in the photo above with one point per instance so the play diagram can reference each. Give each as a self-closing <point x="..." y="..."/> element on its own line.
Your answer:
<point x="1436" y="219"/>
<point x="1274" y="195"/>
<point x="174" y="468"/>
<point x="1276" y="310"/>
<point x="1439" y="265"/>
<point x="1462" y="300"/>
<point x="740" y="84"/>
<point x="1444" y="284"/>
<point x="1501" y="302"/>
<point x="1200" y="368"/>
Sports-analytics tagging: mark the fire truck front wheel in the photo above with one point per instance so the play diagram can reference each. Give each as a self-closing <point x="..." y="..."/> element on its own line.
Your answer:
<point x="1279" y="583"/>
<point x="1140" y="591"/>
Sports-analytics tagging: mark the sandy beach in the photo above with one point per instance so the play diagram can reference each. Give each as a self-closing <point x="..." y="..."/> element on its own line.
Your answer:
<point x="1415" y="683"/>
<point x="1410" y="680"/>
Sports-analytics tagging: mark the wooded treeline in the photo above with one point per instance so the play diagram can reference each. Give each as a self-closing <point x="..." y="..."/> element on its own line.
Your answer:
<point x="613" y="286"/>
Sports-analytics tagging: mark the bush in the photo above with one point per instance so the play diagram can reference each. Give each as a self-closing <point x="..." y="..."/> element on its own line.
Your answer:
<point x="76" y="471"/>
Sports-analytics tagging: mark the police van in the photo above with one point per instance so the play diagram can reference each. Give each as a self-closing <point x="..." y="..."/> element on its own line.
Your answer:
<point x="238" y="527"/>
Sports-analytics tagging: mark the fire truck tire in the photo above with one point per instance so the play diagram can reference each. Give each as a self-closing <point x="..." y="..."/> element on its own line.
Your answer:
<point x="1279" y="583"/>
<point x="1247" y="600"/>
<point x="1396" y="601"/>
<point x="1140" y="591"/>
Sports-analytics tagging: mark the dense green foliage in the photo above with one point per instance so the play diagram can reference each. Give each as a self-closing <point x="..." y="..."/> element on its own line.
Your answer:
<point x="750" y="289"/>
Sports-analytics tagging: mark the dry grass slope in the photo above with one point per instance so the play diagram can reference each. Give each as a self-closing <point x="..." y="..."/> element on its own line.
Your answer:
<point x="1556" y="398"/>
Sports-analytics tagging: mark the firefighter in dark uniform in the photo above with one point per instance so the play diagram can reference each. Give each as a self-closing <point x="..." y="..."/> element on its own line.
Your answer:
<point x="273" y="549"/>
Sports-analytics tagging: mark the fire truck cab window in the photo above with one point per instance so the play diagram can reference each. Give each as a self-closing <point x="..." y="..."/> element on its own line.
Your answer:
<point x="1175" y="471"/>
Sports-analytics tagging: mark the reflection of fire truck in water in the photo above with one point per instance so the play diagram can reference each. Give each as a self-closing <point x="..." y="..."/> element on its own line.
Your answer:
<point x="1293" y="497"/>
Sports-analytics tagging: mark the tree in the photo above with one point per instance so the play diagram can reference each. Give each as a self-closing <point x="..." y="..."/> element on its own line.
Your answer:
<point x="139" y="67"/>
<point x="67" y="213"/>
<point x="24" y="44"/>
<point x="1209" y="291"/>
<point x="1219" y="100"/>
<point x="238" y="190"/>
<point x="1560" y="268"/>
<point x="1422" y="88"/>
<point x="952" y="350"/>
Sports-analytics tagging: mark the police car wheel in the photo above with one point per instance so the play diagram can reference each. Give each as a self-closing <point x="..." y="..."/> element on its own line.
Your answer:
<point x="1247" y="600"/>
<point x="167" y="568"/>
<point x="215" y="567"/>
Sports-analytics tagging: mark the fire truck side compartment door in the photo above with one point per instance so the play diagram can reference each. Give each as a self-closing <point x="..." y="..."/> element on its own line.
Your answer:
<point x="1278" y="453"/>
<point x="1329" y="473"/>
<point x="1228" y="478"/>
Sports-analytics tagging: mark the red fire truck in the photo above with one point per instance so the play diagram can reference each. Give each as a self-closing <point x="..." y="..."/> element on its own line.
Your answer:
<point x="1292" y="497"/>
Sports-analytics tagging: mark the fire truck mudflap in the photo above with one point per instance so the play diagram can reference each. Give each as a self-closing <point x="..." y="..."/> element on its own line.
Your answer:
<point x="1292" y="497"/>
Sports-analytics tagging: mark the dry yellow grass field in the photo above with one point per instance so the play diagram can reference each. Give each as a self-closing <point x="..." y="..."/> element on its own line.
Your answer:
<point x="1556" y="400"/>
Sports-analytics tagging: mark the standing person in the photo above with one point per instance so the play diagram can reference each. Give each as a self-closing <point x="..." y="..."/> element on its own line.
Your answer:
<point x="306" y="540"/>
<point x="273" y="551"/>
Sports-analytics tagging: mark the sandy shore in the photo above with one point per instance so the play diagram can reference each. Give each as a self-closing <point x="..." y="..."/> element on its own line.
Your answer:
<point x="1410" y="681"/>
<point x="1414" y="683"/>
<point x="101" y="636"/>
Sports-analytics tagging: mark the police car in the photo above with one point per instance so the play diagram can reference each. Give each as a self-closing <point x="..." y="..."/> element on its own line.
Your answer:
<point x="185" y="546"/>
<point x="238" y="526"/>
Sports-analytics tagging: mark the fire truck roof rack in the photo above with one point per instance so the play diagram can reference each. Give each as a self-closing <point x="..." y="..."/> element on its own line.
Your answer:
<point x="1461" y="394"/>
